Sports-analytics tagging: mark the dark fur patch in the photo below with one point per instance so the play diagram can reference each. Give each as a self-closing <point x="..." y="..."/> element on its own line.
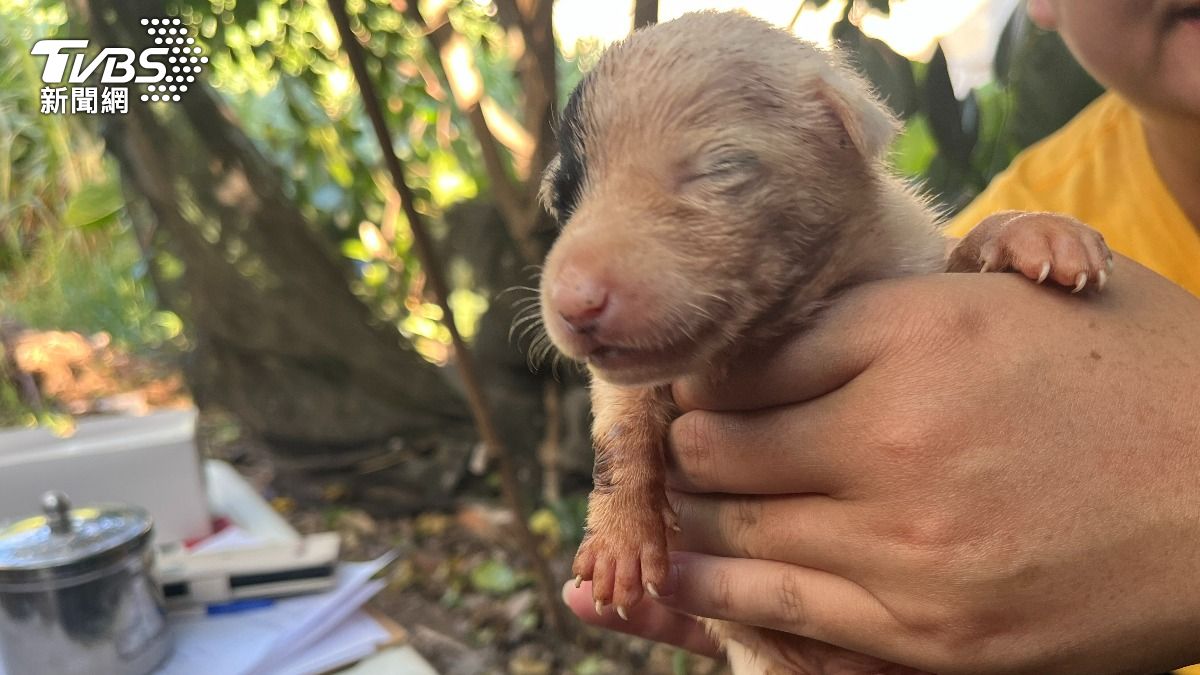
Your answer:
<point x="572" y="170"/>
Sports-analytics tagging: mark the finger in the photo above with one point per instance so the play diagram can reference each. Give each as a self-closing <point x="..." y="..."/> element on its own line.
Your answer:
<point x="809" y="530"/>
<point x="806" y="655"/>
<point x="838" y="345"/>
<point x="808" y="447"/>
<point x="648" y="619"/>
<point x="789" y="598"/>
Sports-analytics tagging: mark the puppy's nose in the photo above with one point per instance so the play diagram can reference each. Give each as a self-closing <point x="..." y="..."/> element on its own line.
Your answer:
<point x="579" y="298"/>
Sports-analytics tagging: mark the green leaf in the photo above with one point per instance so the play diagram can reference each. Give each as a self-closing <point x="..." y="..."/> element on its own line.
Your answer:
<point x="95" y="205"/>
<point x="354" y="250"/>
<point x="914" y="149"/>
<point x="679" y="662"/>
<point x="494" y="577"/>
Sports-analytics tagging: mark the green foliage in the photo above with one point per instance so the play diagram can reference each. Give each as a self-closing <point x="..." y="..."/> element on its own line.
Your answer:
<point x="95" y="205"/>
<point x="279" y="66"/>
<point x="39" y="167"/>
<point x="955" y="147"/>
<point x="68" y="256"/>
<point x="495" y="577"/>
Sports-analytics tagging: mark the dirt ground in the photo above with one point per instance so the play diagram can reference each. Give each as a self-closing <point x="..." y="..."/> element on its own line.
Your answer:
<point x="465" y="598"/>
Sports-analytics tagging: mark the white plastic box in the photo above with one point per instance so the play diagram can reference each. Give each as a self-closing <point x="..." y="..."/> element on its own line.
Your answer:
<point x="149" y="461"/>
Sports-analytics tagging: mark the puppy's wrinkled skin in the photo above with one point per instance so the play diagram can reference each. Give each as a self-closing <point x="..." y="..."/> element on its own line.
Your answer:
<point x="718" y="182"/>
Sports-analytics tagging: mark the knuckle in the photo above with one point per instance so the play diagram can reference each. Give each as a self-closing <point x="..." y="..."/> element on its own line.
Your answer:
<point x="722" y="591"/>
<point x="693" y="438"/>
<point x="902" y="436"/>
<point x="791" y="603"/>
<point x="739" y="523"/>
<point x="933" y="533"/>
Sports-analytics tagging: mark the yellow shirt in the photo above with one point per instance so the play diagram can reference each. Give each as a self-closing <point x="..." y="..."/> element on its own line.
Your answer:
<point x="1097" y="168"/>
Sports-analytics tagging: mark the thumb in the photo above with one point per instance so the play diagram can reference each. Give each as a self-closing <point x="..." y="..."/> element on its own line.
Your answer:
<point x="836" y="345"/>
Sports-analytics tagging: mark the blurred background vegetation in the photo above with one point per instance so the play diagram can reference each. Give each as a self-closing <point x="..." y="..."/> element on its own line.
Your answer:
<point x="251" y="237"/>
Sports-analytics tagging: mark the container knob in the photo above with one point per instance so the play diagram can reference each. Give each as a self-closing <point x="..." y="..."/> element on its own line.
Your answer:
<point x="57" y="508"/>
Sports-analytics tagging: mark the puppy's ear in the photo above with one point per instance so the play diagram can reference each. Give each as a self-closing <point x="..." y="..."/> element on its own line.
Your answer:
<point x="546" y="189"/>
<point x="868" y="122"/>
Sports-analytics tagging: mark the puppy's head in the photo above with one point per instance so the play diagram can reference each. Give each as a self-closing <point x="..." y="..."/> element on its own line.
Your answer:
<point x="704" y="167"/>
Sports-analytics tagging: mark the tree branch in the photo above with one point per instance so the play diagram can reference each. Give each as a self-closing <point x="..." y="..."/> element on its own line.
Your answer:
<point x="476" y="398"/>
<point x="539" y="79"/>
<point x="466" y="84"/>
<point x="645" y="13"/>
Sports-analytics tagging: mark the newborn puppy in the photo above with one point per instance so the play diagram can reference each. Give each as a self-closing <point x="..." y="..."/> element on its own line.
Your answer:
<point x="718" y="182"/>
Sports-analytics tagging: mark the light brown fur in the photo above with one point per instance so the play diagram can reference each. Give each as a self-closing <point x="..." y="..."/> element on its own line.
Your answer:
<point x="721" y="182"/>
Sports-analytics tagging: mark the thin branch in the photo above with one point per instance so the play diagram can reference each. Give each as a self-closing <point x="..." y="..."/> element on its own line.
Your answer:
<point x="539" y="80"/>
<point x="791" y="27"/>
<point x="645" y="13"/>
<point x="476" y="398"/>
<point x="454" y="55"/>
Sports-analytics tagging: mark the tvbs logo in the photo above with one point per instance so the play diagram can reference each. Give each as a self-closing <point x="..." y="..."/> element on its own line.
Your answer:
<point x="164" y="71"/>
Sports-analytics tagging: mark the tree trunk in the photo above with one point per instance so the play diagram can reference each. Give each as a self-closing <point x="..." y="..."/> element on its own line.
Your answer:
<point x="280" y="340"/>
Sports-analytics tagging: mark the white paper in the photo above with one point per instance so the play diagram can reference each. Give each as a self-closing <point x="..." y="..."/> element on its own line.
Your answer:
<point x="352" y="640"/>
<point x="255" y="640"/>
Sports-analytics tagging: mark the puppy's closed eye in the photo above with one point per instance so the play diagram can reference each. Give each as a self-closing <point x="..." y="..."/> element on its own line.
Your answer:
<point x="722" y="171"/>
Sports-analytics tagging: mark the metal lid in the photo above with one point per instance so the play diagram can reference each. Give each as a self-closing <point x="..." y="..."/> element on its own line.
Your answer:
<point x="66" y="543"/>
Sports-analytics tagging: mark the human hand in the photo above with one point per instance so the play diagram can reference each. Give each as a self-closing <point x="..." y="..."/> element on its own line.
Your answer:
<point x="961" y="473"/>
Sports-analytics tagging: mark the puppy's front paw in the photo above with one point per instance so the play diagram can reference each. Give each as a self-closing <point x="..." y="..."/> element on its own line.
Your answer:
<point x="625" y="548"/>
<point x="1041" y="246"/>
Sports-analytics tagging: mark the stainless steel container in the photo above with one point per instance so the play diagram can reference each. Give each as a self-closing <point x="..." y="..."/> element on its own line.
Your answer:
<point x="76" y="592"/>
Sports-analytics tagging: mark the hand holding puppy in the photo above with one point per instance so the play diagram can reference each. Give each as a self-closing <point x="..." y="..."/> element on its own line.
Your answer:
<point x="960" y="473"/>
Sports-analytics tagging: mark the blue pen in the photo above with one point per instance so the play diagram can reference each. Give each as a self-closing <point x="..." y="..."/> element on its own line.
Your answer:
<point x="237" y="606"/>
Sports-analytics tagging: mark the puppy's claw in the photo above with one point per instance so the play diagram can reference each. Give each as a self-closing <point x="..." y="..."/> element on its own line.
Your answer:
<point x="1045" y="272"/>
<point x="1080" y="282"/>
<point x="578" y="580"/>
<point x="985" y="267"/>
<point x="599" y="606"/>
<point x="1101" y="279"/>
<point x="621" y="613"/>
<point x="652" y="590"/>
<point x="1109" y="263"/>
